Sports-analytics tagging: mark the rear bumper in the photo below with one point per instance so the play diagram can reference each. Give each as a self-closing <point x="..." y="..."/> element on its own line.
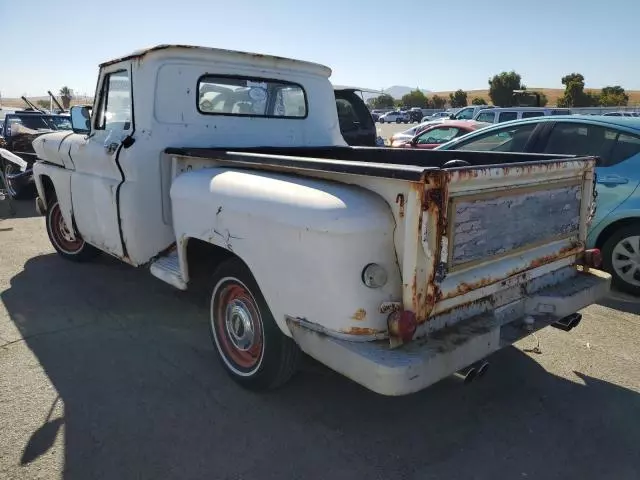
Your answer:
<point x="423" y="362"/>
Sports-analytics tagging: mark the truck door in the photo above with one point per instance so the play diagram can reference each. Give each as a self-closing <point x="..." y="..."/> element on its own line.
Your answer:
<point x="97" y="176"/>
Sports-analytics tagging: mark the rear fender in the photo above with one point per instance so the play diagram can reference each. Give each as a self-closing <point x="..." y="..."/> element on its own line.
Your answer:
<point x="305" y="241"/>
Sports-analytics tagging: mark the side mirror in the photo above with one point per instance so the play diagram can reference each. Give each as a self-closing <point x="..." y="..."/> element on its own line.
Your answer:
<point x="80" y="119"/>
<point x="452" y="116"/>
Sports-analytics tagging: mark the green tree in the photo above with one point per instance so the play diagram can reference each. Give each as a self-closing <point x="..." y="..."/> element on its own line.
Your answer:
<point x="458" y="99"/>
<point x="438" y="102"/>
<point x="574" y="94"/>
<point x="613" y="97"/>
<point x="382" y="101"/>
<point x="415" y="98"/>
<point x="543" y="99"/>
<point x="478" y="101"/>
<point x="43" y="104"/>
<point x="501" y="88"/>
<point x="66" y="94"/>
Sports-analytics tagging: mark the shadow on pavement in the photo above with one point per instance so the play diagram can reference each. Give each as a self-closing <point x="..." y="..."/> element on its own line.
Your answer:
<point x="144" y="397"/>
<point x="17" y="209"/>
<point x="623" y="302"/>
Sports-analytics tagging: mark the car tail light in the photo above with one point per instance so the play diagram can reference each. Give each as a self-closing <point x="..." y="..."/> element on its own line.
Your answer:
<point x="592" y="258"/>
<point x="402" y="324"/>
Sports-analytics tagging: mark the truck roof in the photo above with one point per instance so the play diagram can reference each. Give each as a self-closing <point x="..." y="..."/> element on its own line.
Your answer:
<point x="218" y="54"/>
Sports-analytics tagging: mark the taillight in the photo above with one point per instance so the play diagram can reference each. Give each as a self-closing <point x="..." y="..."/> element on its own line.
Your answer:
<point x="592" y="258"/>
<point x="402" y="324"/>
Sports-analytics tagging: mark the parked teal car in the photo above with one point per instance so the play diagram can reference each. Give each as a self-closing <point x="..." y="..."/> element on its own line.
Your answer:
<point x="615" y="229"/>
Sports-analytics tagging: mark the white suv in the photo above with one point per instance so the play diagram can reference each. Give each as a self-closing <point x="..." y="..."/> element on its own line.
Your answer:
<point x="395" y="116"/>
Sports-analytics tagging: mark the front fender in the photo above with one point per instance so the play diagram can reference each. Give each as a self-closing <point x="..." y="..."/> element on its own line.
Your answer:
<point x="61" y="180"/>
<point x="306" y="242"/>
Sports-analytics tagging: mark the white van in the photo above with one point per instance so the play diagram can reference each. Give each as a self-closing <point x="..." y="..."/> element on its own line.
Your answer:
<point x="498" y="115"/>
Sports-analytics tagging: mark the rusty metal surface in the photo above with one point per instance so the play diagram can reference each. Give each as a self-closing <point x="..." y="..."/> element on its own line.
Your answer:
<point x="359" y="315"/>
<point x="491" y="225"/>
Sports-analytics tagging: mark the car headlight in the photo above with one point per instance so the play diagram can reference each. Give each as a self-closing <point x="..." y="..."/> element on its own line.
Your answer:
<point x="374" y="276"/>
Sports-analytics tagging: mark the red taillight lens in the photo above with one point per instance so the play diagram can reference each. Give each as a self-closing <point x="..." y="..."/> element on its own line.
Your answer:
<point x="402" y="324"/>
<point x="592" y="258"/>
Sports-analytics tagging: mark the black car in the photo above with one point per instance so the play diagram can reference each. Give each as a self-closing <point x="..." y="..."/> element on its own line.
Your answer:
<point x="18" y="130"/>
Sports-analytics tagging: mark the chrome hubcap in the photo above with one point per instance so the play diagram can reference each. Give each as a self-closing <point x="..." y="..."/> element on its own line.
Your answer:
<point x="626" y="260"/>
<point x="10" y="169"/>
<point x="65" y="233"/>
<point x="239" y="325"/>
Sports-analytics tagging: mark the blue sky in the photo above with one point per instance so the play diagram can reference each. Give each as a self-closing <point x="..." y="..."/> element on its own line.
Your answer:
<point x="437" y="45"/>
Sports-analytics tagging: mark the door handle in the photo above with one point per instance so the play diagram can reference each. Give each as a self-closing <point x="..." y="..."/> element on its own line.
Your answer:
<point x="111" y="147"/>
<point x="612" y="180"/>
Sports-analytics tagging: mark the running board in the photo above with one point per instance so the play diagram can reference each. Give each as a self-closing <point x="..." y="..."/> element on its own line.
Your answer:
<point x="167" y="269"/>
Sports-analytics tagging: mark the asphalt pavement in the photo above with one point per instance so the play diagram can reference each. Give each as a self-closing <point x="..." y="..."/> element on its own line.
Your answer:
<point x="108" y="373"/>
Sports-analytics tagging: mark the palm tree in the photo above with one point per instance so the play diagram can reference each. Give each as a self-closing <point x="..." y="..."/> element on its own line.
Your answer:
<point x="66" y="94"/>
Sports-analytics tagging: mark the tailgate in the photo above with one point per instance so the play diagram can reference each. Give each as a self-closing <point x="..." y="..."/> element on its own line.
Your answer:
<point x="500" y="226"/>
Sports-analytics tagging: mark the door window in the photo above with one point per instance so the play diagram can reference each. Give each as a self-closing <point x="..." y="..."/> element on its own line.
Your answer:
<point x="625" y="147"/>
<point x="487" y="117"/>
<point x="507" y="116"/>
<point x="587" y="139"/>
<point x="532" y="114"/>
<point x="465" y="114"/>
<point x="437" y="136"/>
<point x="511" y="139"/>
<point x="114" y="111"/>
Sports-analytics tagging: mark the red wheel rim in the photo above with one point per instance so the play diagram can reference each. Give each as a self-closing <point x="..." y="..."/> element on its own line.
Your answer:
<point x="61" y="233"/>
<point x="238" y="326"/>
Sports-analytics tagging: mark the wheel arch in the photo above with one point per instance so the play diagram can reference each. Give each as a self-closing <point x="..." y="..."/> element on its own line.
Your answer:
<point x="610" y="229"/>
<point x="53" y="181"/>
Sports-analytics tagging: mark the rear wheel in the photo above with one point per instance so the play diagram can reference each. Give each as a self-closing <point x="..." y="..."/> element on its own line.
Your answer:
<point x="621" y="258"/>
<point x="72" y="247"/>
<point x="249" y="343"/>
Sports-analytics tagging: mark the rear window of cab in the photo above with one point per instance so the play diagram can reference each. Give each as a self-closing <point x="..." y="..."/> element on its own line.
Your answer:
<point x="251" y="97"/>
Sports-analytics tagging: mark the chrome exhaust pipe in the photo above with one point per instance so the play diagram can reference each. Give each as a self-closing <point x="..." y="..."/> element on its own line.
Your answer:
<point x="466" y="375"/>
<point x="568" y="323"/>
<point x="483" y="368"/>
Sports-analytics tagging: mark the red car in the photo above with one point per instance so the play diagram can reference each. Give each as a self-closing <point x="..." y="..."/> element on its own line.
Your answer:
<point x="440" y="133"/>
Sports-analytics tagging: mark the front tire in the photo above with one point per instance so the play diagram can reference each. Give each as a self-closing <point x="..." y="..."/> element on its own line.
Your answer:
<point x="621" y="258"/>
<point x="381" y="120"/>
<point x="75" y="249"/>
<point x="249" y="343"/>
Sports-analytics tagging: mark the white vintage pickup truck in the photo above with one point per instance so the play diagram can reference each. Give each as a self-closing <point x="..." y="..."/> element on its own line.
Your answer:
<point x="396" y="268"/>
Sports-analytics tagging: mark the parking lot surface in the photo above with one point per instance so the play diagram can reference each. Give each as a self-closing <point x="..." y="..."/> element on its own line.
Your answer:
<point x="108" y="373"/>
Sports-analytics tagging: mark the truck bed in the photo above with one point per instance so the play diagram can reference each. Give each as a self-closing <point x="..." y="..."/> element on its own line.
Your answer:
<point x="397" y="163"/>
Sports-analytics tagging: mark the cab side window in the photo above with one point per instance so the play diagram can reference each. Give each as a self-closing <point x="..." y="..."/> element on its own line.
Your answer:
<point x="114" y="111"/>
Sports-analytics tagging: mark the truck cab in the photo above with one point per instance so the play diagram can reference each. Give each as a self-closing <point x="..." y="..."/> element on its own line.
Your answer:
<point x="229" y="170"/>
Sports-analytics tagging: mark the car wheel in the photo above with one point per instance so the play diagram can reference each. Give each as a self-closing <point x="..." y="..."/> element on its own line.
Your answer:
<point x="381" y="120"/>
<point x="14" y="191"/>
<point x="250" y="345"/>
<point x="75" y="249"/>
<point x="621" y="258"/>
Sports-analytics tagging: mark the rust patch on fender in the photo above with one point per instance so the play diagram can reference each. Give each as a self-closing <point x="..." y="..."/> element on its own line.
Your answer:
<point x="361" y="331"/>
<point x="360" y="314"/>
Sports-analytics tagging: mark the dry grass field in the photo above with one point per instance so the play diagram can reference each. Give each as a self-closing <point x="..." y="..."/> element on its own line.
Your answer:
<point x="552" y="94"/>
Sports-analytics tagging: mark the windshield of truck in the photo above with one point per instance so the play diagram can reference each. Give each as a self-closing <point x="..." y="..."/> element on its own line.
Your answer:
<point x="244" y="96"/>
